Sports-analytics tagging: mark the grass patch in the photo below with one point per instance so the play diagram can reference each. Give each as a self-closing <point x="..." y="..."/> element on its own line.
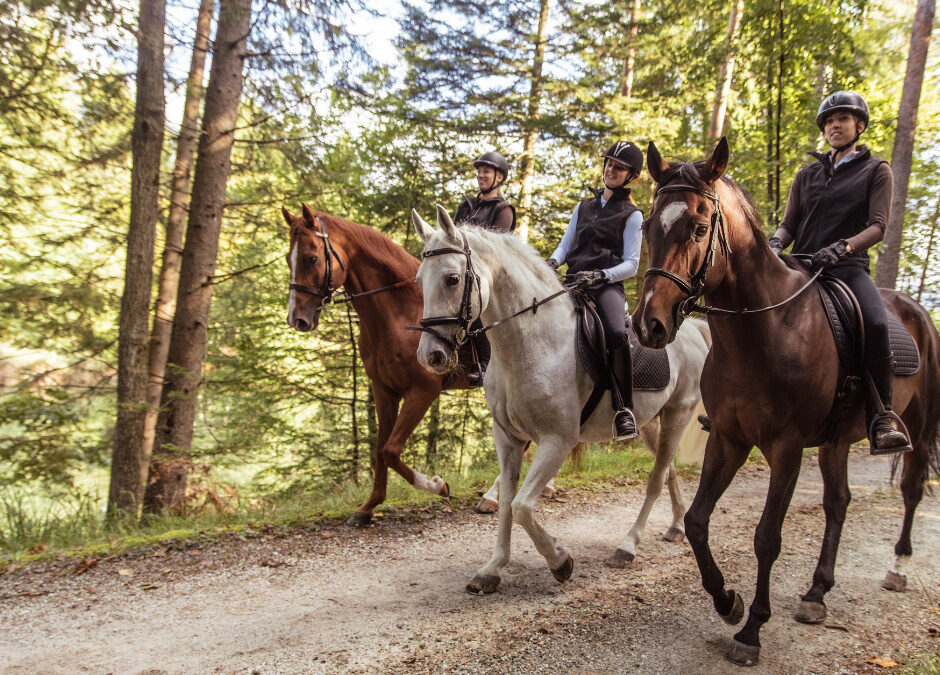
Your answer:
<point x="33" y="528"/>
<point x="928" y="664"/>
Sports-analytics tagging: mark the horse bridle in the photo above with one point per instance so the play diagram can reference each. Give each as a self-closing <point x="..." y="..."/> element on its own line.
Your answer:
<point x="464" y="316"/>
<point x="695" y="287"/>
<point x="326" y="293"/>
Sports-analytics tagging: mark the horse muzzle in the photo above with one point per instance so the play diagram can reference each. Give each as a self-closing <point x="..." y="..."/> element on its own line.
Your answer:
<point x="303" y="324"/>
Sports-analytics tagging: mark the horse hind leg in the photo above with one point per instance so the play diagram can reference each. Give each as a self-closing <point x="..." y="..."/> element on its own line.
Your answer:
<point x="489" y="502"/>
<point x="833" y="464"/>
<point x="913" y="475"/>
<point x="676" y="531"/>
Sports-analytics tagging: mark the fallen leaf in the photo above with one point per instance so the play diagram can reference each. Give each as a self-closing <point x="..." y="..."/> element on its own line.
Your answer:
<point x="124" y="572"/>
<point x="167" y="570"/>
<point x="326" y="535"/>
<point x="149" y="587"/>
<point x="84" y="565"/>
<point x="37" y="548"/>
<point x="883" y="661"/>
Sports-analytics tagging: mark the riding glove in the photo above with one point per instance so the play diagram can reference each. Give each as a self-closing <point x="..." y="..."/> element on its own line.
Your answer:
<point x="826" y="257"/>
<point x="551" y="262"/>
<point x="589" y="279"/>
<point x="776" y="245"/>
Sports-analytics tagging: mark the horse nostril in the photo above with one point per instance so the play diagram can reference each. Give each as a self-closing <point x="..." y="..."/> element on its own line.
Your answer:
<point x="301" y="325"/>
<point x="657" y="331"/>
<point x="437" y="359"/>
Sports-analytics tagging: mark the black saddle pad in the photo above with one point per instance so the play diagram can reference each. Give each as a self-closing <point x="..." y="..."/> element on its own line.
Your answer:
<point x="840" y="310"/>
<point x="650" y="366"/>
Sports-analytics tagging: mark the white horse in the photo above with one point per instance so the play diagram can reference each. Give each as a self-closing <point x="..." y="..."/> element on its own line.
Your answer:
<point x="535" y="385"/>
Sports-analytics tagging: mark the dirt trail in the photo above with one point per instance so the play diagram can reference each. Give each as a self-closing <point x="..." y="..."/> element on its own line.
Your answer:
<point x="391" y="599"/>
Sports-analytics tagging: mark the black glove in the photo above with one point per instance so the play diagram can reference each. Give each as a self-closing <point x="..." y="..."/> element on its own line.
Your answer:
<point x="551" y="262"/>
<point x="826" y="257"/>
<point x="589" y="279"/>
<point x="776" y="245"/>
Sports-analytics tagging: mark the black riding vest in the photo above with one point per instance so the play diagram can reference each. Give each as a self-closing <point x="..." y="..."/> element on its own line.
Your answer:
<point x="598" y="237"/>
<point x="483" y="213"/>
<point x="834" y="203"/>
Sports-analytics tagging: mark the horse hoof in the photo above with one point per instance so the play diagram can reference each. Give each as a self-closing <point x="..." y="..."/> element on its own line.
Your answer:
<point x="486" y="506"/>
<point x="736" y="614"/>
<point x="563" y="572"/>
<point x="742" y="654"/>
<point x="674" y="534"/>
<point x="810" y="612"/>
<point x="359" y="519"/>
<point x="483" y="584"/>
<point x="894" y="582"/>
<point x="445" y="491"/>
<point x="548" y="492"/>
<point x="620" y="558"/>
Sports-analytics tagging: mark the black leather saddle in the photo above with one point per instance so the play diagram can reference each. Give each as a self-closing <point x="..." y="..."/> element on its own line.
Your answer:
<point x="846" y="323"/>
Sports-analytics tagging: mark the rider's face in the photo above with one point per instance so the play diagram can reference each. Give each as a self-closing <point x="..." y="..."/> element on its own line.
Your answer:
<point x="615" y="174"/>
<point x="486" y="177"/>
<point x="841" y="127"/>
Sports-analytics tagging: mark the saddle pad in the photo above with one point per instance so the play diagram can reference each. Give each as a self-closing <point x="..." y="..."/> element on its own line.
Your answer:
<point x="650" y="366"/>
<point x="841" y="314"/>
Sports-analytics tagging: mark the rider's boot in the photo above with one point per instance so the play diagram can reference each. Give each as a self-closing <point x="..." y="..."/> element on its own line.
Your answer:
<point x="477" y="369"/>
<point x="621" y="372"/>
<point x="883" y="438"/>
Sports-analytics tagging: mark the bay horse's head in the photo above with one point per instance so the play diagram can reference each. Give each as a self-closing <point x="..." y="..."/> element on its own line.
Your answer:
<point x="454" y="292"/>
<point x="317" y="268"/>
<point x="683" y="232"/>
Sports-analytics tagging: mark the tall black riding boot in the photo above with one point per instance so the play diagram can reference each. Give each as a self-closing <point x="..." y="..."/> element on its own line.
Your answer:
<point x="621" y="375"/>
<point x="477" y="369"/>
<point x="883" y="437"/>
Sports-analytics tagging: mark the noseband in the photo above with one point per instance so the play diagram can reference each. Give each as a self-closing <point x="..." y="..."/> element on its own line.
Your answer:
<point x="326" y="293"/>
<point x="695" y="287"/>
<point x="464" y="316"/>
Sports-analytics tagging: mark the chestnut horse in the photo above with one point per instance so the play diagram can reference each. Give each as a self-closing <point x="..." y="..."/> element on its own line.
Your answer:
<point x="770" y="379"/>
<point x="327" y="253"/>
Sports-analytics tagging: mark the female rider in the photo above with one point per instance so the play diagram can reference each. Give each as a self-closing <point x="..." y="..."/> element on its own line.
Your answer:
<point x="602" y="248"/>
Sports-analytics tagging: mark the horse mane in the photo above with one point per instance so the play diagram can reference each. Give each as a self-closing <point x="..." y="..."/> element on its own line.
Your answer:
<point x="398" y="260"/>
<point x="513" y="251"/>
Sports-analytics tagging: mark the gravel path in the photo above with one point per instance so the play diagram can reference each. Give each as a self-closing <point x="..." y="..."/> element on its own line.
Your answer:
<point x="390" y="599"/>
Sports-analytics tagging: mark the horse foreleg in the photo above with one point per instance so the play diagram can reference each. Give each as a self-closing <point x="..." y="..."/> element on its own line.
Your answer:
<point x="723" y="458"/>
<point x="488" y="502"/>
<point x="833" y="463"/>
<point x="551" y="455"/>
<point x="912" y="490"/>
<point x="386" y="410"/>
<point x="509" y="452"/>
<point x="676" y="531"/>
<point x="413" y="408"/>
<point x="784" y="471"/>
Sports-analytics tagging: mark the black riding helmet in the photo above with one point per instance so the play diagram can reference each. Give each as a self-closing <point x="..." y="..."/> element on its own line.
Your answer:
<point x="626" y="153"/>
<point x="842" y="101"/>
<point x="496" y="161"/>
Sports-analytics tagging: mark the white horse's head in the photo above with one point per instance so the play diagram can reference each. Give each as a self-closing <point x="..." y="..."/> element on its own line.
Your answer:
<point x="456" y="288"/>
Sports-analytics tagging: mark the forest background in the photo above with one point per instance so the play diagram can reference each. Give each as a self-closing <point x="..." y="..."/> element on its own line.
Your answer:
<point x="365" y="110"/>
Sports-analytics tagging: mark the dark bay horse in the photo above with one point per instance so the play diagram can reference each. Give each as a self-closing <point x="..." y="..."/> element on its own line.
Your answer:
<point x="327" y="253"/>
<point x="770" y="379"/>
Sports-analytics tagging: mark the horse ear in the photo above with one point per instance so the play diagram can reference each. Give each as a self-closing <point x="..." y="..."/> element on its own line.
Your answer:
<point x="655" y="163"/>
<point x="446" y="224"/>
<point x="287" y="215"/>
<point x="716" y="164"/>
<point x="422" y="228"/>
<point x="308" y="214"/>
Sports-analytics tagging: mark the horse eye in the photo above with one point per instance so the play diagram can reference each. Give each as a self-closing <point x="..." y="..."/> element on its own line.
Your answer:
<point x="453" y="279"/>
<point x="313" y="259"/>
<point x="701" y="230"/>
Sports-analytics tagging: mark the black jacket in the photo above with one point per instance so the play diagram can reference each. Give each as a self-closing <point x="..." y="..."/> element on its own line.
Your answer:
<point x="598" y="238"/>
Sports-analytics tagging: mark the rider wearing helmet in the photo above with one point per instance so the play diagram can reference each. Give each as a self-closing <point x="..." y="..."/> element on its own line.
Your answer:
<point x="837" y="209"/>
<point x="490" y="211"/>
<point x="602" y="248"/>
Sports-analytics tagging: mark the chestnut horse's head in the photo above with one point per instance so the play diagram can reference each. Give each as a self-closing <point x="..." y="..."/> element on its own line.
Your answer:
<point x="317" y="268"/>
<point x="683" y="232"/>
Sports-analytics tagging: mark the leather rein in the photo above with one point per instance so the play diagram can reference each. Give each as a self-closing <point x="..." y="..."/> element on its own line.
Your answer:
<point x="695" y="287"/>
<point x="327" y="291"/>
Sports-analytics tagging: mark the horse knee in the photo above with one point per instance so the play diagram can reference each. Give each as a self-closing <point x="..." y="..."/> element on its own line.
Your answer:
<point x="390" y="455"/>
<point x="767" y="543"/>
<point x="521" y="512"/>
<point x="696" y="527"/>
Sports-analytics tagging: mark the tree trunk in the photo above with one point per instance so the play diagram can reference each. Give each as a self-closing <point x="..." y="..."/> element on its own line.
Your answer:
<point x="173" y="246"/>
<point x="886" y="273"/>
<point x="933" y="230"/>
<point x="527" y="169"/>
<point x="629" y="63"/>
<point x="128" y="463"/>
<point x="778" y="163"/>
<point x="726" y="73"/>
<point x="188" y="339"/>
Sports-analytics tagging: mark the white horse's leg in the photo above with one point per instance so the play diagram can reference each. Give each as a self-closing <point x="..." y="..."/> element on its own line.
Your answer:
<point x="664" y="448"/>
<point x="676" y="531"/>
<point x="549" y="490"/>
<point x="551" y="455"/>
<point x="489" y="502"/>
<point x="509" y="452"/>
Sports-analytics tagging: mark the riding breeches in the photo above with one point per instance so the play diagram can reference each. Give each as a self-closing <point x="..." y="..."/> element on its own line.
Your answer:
<point x="874" y="316"/>
<point x="609" y="300"/>
<point x="482" y="345"/>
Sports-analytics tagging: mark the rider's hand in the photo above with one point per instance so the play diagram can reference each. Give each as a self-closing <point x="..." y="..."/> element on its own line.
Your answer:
<point x="551" y="262"/>
<point x="776" y="245"/>
<point x="826" y="257"/>
<point x="589" y="279"/>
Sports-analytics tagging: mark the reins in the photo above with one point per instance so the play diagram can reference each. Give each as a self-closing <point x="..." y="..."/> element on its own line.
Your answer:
<point x="695" y="287"/>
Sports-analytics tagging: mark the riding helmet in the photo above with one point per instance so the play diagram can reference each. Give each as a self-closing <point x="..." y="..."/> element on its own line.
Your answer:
<point x="842" y="101"/>
<point x="495" y="160"/>
<point x="626" y="153"/>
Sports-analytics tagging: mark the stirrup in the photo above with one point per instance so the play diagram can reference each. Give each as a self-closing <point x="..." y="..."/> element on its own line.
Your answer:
<point x="890" y="449"/>
<point x="475" y="377"/>
<point x="631" y="419"/>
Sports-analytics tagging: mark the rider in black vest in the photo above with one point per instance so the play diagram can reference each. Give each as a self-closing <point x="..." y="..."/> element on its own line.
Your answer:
<point x="838" y="207"/>
<point x="602" y="248"/>
<point x="490" y="211"/>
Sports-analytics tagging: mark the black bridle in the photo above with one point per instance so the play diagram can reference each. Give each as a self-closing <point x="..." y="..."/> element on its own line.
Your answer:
<point x="695" y="287"/>
<point x="326" y="292"/>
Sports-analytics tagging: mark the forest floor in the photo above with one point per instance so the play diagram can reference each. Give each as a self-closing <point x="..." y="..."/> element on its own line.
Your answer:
<point x="391" y="598"/>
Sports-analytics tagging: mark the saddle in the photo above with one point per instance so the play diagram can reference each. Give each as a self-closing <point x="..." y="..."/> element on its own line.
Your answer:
<point x="650" y="366"/>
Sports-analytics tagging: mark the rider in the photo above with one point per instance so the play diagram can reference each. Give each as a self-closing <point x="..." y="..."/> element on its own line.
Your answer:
<point x="602" y="248"/>
<point x="489" y="210"/>
<point x="838" y="207"/>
